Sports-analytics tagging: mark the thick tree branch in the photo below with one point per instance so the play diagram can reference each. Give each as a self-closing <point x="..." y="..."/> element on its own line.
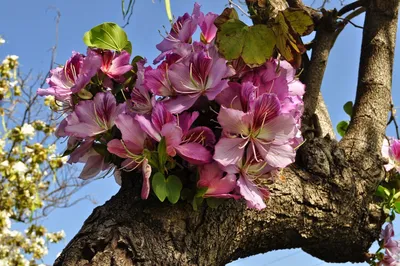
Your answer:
<point x="315" y="71"/>
<point x="372" y="104"/>
<point x="326" y="210"/>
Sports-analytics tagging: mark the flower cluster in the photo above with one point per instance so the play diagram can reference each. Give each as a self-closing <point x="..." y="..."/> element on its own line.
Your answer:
<point x="392" y="248"/>
<point x="230" y="126"/>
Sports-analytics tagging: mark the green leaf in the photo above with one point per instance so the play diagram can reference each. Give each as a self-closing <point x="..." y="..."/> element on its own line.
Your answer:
<point x="342" y="127"/>
<point x="201" y="191"/>
<point x="174" y="187"/>
<point x="227" y="14"/>
<point x="348" y="108"/>
<point x="197" y="201"/>
<point x="300" y="21"/>
<point x="255" y="44"/>
<point x="162" y="154"/>
<point x="109" y="36"/>
<point x="382" y="192"/>
<point x="396" y="195"/>
<point x="159" y="186"/>
<point x="397" y="207"/>
<point x="214" y="202"/>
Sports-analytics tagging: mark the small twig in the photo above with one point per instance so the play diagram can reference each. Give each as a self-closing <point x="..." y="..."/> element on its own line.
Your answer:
<point x="350" y="7"/>
<point x="231" y="3"/>
<point x="348" y="19"/>
<point x="393" y="119"/>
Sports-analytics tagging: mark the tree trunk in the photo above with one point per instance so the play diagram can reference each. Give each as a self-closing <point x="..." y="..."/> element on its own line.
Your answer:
<point x="323" y="203"/>
<point x="325" y="209"/>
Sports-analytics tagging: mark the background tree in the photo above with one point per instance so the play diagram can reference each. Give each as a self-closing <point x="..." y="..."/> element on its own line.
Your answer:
<point x="31" y="181"/>
<point x="326" y="206"/>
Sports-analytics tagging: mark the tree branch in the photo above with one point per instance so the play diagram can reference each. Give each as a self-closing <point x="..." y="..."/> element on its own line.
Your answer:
<point x="372" y="104"/>
<point x="313" y="75"/>
<point x="350" y="7"/>
<point x="326" y="210"/>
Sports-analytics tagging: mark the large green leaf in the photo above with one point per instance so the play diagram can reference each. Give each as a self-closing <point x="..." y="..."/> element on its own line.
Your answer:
<point x="174" y="187"/>
<point x="255" y="44"/>
<point x="299" y="20"/>
<point x="109" y="36"/>
<point x="159" y="186"/>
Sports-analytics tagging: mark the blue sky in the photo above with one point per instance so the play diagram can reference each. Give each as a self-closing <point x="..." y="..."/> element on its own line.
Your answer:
<point x="29" y="29"/>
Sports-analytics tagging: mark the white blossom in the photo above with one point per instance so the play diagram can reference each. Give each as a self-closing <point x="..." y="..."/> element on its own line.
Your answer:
<point x="20" y="168"/>
<point x="28" y="130"/>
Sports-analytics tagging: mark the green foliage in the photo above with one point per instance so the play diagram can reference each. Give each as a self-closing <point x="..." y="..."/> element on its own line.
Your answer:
<point x="290" y="25"/>
<point x="162" y="154"/>
<point x="108" y="35"/>
<point x="174" y="187"/>
<point x="159" y="186"/>
<point x="256" y="44"/>
<point x="348" y="108"/>
<point x="342" y="127"/>
<point x="167" y="188"/>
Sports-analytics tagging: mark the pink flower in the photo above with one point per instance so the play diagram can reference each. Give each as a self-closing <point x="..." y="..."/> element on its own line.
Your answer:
<point x="181" y="33"/>
<point x="391" y="151"/>
<point x="142" y="101"/>
<point x="130" y="148"/>
<point x="157" y="81"/>
<point x="386" y="235"/>
<point x="208" y="29"/>
<point x="279" y="77"/>
<point x="264" y="131"/>
<point x="253" y="176"/>
<point x="199" y="74"/>
<point x="218" y="185"/>
<point x="115" y="65"/>
<point x="187" y="143"/>
<point x="94" y="162"/>
<point x="73" y="77"/>
<point x="93" y="117"/>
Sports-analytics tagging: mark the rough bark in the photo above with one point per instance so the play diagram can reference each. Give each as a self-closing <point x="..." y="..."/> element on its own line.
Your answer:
<point x="324" y="204"/>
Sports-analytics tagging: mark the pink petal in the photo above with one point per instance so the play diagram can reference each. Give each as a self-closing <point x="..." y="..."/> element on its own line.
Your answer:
<point x="280" y="130"/>
<point x="186" y="120"/>
<point x="194" y="153"/>
<point x="179" y="104"/>
<point x="115" y="147"/>
<point x="278" y="156"/>
<point x="146" y="172"/>
<point x="230" y="97"/>
<point x="173" y="137"/>
<point x="161" y="116"/>
<point x="229" y="150"/>
<point x="253" y="196"/>
<point x="266" y="107"/>
<point x="130" y="129"/>
<point x="234" y="121"/>
<point x="148" y="127"/>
